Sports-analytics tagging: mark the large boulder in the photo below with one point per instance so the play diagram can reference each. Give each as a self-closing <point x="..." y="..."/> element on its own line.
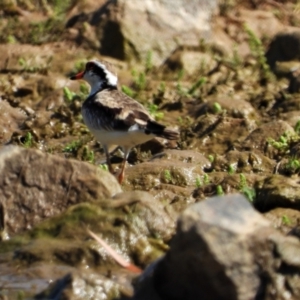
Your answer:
<point x="35" y="185"/>
<point x="224" y="249"/>
<point x="130" y="29"/>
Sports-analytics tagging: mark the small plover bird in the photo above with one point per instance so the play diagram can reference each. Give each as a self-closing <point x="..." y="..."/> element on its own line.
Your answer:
<point x="113" y="117"/>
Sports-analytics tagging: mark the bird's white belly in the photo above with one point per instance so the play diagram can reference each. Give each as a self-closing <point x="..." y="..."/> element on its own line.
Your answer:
<point x="121" y="138"/>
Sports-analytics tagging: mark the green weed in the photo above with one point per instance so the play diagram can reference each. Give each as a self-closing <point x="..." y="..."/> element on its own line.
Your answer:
<point x="72" y="147"/>
<point x="217" y="108"/>
<point x="149" y="62"/>
<point x="68" y="95"/>
<point x="167" y="176"/>
<point x="201" y="81"/>
<point x="293" y="165"/>
<point x="198" y="182"/>
<point x="258" y="52"/>
<point x="231" y="169"/>
<point x="28" y="140"/>
<point x="297" y="127"/>
<point x="128" y="91"/>
<point x="153" y="110"/>
<point x="103" y="167"/>
<point x="248" y="192"/>
<point x="211" y="158"/>
<point x="286" y="220"/>
<point x="206" y="179"/>
<point x="219" y="190"/>
<point x="88" y="155"/>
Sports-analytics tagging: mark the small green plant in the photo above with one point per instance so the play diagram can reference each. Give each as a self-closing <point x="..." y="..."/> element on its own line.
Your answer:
<point x="139" y="80"/>
<point x="293" y="165"/>
<point x="25" y="65"/>
<point x="84" y="89"/>
<point x="88" y="155"/>
<point x="236" y="58"/>
<point x="286" y="220"/>
<point x="201" y="81"/>
<point x="248" y="192"/>
<point x="284" y="142"/>
<point x="231" y="169"/>
<point x="28" y="140"/>
<point x="128" y="91"/>
<point x="103" y="167"/>
<point x="219" y="190"/>
<point x="168" y="176"/>
<point x="258" y="52"/>
<point x="180" y="74"/>
<point x="149" y="62"/>
<point x="297" y="127"/>
<point x="206" y="179"/>
<point x="153" y="110"/>
<point x="243" y="181"/>
<point x="211" y="158"/>
<point x="79" y="65"/>
<point x="72" y="147"/>
<point x="198" y="182"/>
<point x="11" y="39"/>
<point x="180" y="90"/>
<point x="68" y="95"/>
<point x="217" y="108"/>
<point x="162" y="87"/>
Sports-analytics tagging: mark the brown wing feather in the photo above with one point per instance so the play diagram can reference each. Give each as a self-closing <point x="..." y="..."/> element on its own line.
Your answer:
<point x="120" y="112"/>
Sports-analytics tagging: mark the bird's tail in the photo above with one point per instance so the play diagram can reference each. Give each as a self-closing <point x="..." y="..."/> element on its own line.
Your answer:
<point x="161" y="131"/>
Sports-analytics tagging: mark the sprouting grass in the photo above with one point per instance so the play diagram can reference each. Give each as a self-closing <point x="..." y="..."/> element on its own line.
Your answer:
<point x="284" y="142"/>
<point x="103" y="167"/>
<point x="153" y="110"/>
<point x="149" y="63"/>
<point x="28" y="140"/>
<point x="88" y="155"/>
<point x="139" y="80"/>
<point x="211" y="158"/>
<point x="72" y="147"/>
<point x="217" y="108"/>
<point x="198" y="182"/>
<point x="128" y="91"/>
<point x="258" y="52"/>
<point x="219" y="190"/>
<point x="167" y="176"/>
<point x="68" y="95"/>
<point x="249" y="192"/>
<point x="297" y="127"/>
<point x="206" y="179"/>
<point x="293" y="165"/>
<point x="201" y="81"/>
<point x="231" y="169"/>
<point x="286" y="220"/>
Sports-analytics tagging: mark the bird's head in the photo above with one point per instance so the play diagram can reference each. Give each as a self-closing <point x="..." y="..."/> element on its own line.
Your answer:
<point x="99" y="76"/>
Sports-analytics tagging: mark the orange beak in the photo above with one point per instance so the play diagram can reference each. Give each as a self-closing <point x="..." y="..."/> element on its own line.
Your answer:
<point x="77" y="76"/>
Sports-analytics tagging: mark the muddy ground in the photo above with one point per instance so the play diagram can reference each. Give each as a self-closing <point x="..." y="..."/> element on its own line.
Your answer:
<point x="238" y="116"/>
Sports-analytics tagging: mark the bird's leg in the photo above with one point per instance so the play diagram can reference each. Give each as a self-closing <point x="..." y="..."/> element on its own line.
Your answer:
<point x="108" y="162"/>
<point x="122" y="173"/>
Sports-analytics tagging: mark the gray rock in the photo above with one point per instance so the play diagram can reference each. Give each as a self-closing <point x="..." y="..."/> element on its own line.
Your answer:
<point x="210" y="253"/>
<point x="130" y="29"/>
<point x="284" y="47"/>
<point x="35" y="185"/>
<point x="277" y="191"/>
<point x="224" y="249"/>
<point x="81" y="286"/>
